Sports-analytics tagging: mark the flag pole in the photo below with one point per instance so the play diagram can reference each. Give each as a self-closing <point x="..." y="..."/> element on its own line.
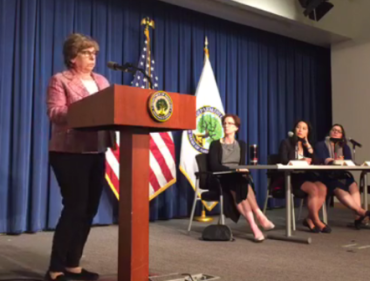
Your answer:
<point x="148" y="23"/>
<point x="206" y="51"/>
<point x="203" y="217"/>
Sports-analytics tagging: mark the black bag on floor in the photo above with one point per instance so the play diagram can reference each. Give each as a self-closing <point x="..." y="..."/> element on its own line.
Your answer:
<point x="217" y="232"/>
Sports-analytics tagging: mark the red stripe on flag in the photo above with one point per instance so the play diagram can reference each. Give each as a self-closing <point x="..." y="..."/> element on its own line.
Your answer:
<point x="169" y="143"/>
<point x="112" y="177"/>
<point x="116" y="152"/>
<point x="160" y="159"/>
<point x="154" y="181"/>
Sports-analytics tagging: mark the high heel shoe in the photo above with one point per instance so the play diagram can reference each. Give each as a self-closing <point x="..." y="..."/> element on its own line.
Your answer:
<point x="314" y="229"/>
<point x="270" y="226"/>
<point x="259" y="239"/>
<point x="359" y="221"/>
<point x="326" y="229"/>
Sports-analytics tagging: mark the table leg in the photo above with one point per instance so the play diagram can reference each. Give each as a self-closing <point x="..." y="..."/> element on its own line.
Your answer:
<point x="365" y="192"/>
<point x="288" y="202"/>
<point x="288" y="230"/>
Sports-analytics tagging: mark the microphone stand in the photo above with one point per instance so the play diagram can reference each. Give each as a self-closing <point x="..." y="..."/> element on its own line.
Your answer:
<point x="142" y="71"/>
<point x="296" y="148"/>
<point x="354" y="152"/>
<point x="296" y="151"/>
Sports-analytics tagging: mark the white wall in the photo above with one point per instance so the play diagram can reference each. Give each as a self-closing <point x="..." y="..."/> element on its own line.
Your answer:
<point x="351" y="93"/>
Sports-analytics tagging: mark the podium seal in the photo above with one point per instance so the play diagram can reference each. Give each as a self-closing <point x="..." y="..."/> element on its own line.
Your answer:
<point x="160" y="106"/>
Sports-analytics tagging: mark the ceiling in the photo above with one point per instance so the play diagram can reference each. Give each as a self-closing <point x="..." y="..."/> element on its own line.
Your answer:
<point x="238" y="12"/>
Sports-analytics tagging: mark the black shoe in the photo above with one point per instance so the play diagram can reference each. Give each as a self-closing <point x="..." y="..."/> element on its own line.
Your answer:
<point x="326" y="229"/>
<point x="314" y="229"/>
<point x="61" y="277"/>
<point x="84" y="275"/>
<point x="358" y="222"/>
<point x="367" y="214"/>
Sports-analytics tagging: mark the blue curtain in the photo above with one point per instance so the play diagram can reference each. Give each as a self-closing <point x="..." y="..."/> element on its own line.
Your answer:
<point x="268" y="80"/>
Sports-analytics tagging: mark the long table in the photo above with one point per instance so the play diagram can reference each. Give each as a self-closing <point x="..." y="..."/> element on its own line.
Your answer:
<point x="288" y="170"/>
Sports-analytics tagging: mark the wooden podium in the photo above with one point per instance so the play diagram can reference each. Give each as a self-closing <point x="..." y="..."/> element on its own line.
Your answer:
<point x="125" y="109"/>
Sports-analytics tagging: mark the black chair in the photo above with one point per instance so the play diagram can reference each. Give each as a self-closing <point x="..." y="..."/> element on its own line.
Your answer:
<point x="206" y="192"/>
<point x="272" y="176"/>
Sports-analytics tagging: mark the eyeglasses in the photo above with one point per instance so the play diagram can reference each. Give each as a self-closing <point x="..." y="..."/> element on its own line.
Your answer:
<point x="86" y="53"/>
<point x="336" y="131"/>
<point x="228" y="123"/>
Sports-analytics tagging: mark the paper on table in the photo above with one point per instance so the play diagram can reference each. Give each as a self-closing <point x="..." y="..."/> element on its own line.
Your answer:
<point x="348" y="163"/>
<point x="298" y="163"/>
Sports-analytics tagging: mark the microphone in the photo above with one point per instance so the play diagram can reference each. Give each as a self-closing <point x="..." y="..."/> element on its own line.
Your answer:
<point x="126" y="68"/>
<point x="295" y="141"/>
<point x="355" y="143"/>
<point x="296" y="138"/>
<point x="116" y="66"/>
<point x="334" y="140"/>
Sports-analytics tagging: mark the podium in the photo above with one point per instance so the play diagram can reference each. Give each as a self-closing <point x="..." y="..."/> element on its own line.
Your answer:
<point x="125" y="109"/>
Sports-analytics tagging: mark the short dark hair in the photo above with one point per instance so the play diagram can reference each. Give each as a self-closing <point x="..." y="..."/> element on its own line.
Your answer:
<point x="75" y="43"/>
<point x="234" y="116"/>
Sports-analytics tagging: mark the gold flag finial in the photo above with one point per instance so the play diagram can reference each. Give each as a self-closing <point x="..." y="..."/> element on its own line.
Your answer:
<point x="148" y="22"/>
<point x="206" y="51"/>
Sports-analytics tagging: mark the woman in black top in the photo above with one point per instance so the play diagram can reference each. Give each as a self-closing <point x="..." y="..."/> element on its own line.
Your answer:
<point x="308" y="182"/>
<point x="226" y="154"/>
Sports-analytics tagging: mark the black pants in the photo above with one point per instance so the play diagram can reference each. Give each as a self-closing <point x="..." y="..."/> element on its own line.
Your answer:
<point x="81" y="180"/>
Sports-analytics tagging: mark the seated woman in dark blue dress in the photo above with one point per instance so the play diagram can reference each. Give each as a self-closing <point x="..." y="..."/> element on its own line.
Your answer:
<point x="340" y="183"/>
<point x="298" y="147"/>
<point x="226" y="154"/>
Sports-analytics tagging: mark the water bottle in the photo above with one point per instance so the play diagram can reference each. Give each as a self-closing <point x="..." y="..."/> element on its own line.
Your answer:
<point x="253" y="154"/>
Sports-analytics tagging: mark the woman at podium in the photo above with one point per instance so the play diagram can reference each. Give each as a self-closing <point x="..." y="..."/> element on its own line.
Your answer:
<point x="332" y="151"/>
<point x="298" y="147"/>
<point x="76" y="157"/>
<point x="227" y="154"/>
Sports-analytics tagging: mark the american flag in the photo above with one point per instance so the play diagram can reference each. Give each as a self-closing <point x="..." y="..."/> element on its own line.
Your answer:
<point x="162" y="149"/>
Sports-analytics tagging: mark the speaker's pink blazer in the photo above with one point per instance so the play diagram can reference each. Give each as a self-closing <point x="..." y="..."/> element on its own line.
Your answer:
<point x="64" y="89"/>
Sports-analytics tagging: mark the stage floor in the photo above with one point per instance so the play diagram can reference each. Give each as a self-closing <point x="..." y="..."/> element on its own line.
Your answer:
<point x="342" y="255"/>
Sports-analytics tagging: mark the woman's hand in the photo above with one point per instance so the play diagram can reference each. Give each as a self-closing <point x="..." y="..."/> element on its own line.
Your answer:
<point x="328" y="160"/>
<point x="308" y="146"/>
<point x="242" y="170"/>
<point x="308" y="160"/>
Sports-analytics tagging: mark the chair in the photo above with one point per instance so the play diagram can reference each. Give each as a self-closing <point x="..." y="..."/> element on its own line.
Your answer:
<point x="271" y="177"/>
<point x="205" y="192"/>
